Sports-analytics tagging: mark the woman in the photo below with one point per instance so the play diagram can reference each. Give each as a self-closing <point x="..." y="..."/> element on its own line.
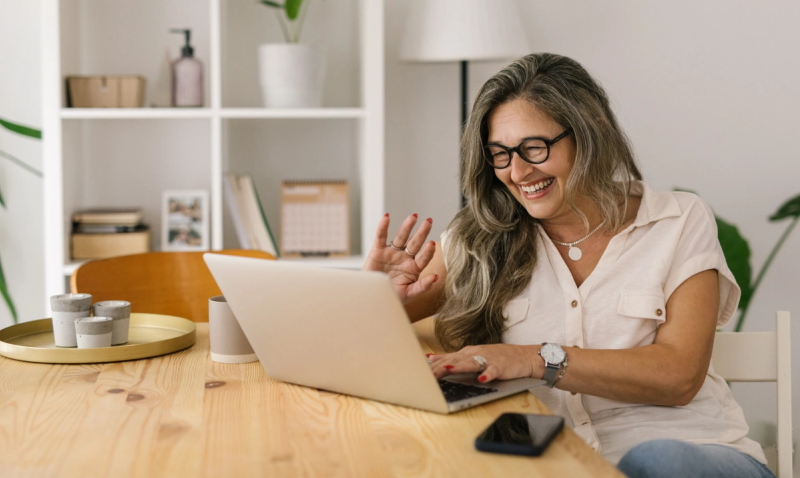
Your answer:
<point x="565" y="266"/>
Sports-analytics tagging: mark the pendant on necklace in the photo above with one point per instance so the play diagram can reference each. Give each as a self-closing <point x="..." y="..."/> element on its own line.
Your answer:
<point x="574" y="253"/>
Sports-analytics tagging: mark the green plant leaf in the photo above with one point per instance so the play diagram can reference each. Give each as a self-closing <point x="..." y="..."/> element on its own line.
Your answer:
<point x="6" y="295"/>
<point x="23" y="130"/>
<point x="271" y="4"/>
<point x="293" y="8"/>
<point x="737" y="255"/>
<point x="2" y="203"/>
<point x="790" y="208"/>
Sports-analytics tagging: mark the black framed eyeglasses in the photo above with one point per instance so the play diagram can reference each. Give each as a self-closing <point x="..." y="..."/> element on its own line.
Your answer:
<point x="533" y="150"/>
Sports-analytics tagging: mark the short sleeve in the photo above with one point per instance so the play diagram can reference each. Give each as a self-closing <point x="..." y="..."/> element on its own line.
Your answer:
<point x="699" y="250"/>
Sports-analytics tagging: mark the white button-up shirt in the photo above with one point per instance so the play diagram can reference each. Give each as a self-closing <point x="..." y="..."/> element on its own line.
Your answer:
<point x="619" y="306"/>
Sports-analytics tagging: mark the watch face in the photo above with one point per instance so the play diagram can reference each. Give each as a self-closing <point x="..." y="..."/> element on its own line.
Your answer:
<point x="552" y="353"/>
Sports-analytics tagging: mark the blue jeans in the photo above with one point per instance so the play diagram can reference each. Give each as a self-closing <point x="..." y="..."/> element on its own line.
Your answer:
<point x="675" y="458"/>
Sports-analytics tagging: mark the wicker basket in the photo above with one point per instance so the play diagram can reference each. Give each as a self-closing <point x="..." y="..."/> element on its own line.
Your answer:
<point x="105" y="91"/>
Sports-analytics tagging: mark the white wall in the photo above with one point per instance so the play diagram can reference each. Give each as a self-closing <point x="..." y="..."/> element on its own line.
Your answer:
<point x="704" y="89"/>
<point x="21" y="228"/>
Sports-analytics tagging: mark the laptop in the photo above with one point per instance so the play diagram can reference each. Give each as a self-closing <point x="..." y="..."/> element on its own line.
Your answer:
<point x="342" y="331"/>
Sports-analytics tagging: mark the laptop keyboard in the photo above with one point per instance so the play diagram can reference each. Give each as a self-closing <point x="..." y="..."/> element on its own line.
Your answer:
<point x="454" y="392"/>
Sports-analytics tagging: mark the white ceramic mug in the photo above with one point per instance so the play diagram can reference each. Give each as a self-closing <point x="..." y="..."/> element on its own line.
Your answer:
<point x="228" y="342"/>
<point x="120" y="311"/>
<point x="93" y="332"/>
<point x="66" y="309"/>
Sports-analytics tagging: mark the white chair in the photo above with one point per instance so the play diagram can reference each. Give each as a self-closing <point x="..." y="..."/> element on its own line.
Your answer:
<point x="762" y="357"/>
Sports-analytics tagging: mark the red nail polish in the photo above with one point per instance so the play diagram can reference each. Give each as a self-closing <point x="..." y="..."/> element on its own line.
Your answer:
<point x="428" y="355"/>
<point x="449" y="367"/>
<point x="435" y="277"/>
<point x="415" y="215"/>
<point x="386" y="215"/>
<point x="430" y="220"/>
<point x="482" y="378"/>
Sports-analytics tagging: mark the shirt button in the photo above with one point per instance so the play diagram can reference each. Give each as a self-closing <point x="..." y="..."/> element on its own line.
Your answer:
<point x="575" y="304"/>
<point x="659" y="312"/>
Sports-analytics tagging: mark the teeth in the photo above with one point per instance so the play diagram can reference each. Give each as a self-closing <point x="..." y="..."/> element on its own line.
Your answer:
<point x="538" y="186"/>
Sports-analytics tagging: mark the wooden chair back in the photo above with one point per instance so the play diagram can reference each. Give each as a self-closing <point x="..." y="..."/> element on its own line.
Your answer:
<point x="762" y="357"/>
<point x="169" y="283"/>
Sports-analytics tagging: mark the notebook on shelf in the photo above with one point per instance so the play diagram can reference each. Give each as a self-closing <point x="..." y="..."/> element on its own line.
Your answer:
<point x="252" y="226"/>
<point x="108" y="216"/>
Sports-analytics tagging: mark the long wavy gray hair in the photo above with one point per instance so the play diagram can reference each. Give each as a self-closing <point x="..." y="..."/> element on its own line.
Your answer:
<point x="490" y="249"/>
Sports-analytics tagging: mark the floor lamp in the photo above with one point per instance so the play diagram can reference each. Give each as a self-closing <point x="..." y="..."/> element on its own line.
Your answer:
<point x="463" y="31"/>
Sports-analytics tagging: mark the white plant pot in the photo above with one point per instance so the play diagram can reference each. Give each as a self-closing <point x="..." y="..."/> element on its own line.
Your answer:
<point x="291" y="75"/>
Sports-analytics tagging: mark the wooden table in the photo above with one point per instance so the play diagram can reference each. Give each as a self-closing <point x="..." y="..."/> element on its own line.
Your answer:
<point x="184" y="415"/>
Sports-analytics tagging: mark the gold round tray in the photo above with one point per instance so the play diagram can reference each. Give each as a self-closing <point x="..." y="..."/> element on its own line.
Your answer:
<point x="149" y="335"/>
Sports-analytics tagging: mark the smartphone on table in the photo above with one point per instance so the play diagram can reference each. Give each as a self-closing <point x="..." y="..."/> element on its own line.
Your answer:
<point x="520" y="434"/>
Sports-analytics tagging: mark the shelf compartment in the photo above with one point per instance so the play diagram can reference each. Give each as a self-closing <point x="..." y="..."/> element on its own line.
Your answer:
<point x="272" y="151"/>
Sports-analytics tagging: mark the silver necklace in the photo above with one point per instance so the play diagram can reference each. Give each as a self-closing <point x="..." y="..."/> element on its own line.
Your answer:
<point x="574" y="253"/>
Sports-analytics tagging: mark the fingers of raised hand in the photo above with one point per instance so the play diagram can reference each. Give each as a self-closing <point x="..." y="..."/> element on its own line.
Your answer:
<point x="421" y="285"/>
<point x="417" y="241"/>
<point x="401" y="238"/>
<point x="382" y="233"/>
<point x="424" y="256"/>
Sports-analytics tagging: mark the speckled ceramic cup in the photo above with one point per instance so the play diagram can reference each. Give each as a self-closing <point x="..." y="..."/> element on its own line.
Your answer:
<point x="228" y="343"/>
<point x="94" y="332"/>
<point x="66" y="309"/>
<point x="120" y="311"/>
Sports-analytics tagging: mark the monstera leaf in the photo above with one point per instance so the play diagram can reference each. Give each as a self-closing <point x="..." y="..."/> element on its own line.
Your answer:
<point x="737" y="255"/>
<point x="790" y="208"/>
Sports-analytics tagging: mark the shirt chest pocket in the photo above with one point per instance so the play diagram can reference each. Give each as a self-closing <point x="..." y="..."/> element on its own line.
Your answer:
<point x="642" y="304"/>
<point x="640" y="312"/>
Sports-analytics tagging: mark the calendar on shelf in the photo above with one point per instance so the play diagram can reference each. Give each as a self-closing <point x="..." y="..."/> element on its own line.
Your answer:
<point x="315" y="219"/>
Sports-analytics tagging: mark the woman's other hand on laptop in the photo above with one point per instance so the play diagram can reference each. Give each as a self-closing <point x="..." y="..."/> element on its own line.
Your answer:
<point x="503" y="362"/>
<point x="404" y="258"/>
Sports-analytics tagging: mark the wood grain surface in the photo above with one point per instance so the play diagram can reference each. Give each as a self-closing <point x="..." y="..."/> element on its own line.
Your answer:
<point x="184" y="415"/>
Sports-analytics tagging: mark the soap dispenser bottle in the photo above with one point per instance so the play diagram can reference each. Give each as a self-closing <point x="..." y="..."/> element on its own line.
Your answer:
<point x="187" y="76"/>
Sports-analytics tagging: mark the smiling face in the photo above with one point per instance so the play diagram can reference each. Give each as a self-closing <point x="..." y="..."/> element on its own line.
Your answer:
<point x="538" y="187"/>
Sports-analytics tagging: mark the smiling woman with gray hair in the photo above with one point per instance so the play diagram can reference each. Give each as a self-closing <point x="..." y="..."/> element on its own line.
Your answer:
<point x="565" y="266"/>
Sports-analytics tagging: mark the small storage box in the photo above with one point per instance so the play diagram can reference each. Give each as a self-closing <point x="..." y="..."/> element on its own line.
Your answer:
<point x="105" y="91"/>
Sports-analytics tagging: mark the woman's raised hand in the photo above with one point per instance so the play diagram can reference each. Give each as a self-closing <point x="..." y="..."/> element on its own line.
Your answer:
<point x="404" y="258"/>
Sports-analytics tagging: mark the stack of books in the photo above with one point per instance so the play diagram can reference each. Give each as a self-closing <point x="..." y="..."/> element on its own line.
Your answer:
<point x="104" y="233"/>
<point x="252" y="227"/>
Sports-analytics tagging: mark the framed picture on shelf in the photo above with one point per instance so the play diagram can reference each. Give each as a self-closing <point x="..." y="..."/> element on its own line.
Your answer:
<point x="185" y="221"/>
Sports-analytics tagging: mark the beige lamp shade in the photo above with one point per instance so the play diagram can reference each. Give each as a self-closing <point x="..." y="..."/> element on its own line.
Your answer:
<point x="456" y="30"/>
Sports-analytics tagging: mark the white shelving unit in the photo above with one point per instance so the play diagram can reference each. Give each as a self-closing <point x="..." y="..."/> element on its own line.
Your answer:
<point x="125" y="157"/>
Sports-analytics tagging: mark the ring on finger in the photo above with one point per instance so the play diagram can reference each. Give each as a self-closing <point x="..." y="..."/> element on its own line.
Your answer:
<point x="481" y="361"/>
<point x="409" y="252"/>
<point x="401" y="248"/>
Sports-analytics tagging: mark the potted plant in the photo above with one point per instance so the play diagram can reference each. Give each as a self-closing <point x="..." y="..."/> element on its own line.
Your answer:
<point x="32" y="133"/>
<point x="291" y="74"/>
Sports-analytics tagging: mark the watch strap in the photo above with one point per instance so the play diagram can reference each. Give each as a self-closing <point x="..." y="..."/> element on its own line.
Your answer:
<point x="550" y="372"/>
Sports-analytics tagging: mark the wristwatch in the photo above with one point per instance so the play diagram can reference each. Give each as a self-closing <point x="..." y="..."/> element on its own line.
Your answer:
<point x="553" y="356"/>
